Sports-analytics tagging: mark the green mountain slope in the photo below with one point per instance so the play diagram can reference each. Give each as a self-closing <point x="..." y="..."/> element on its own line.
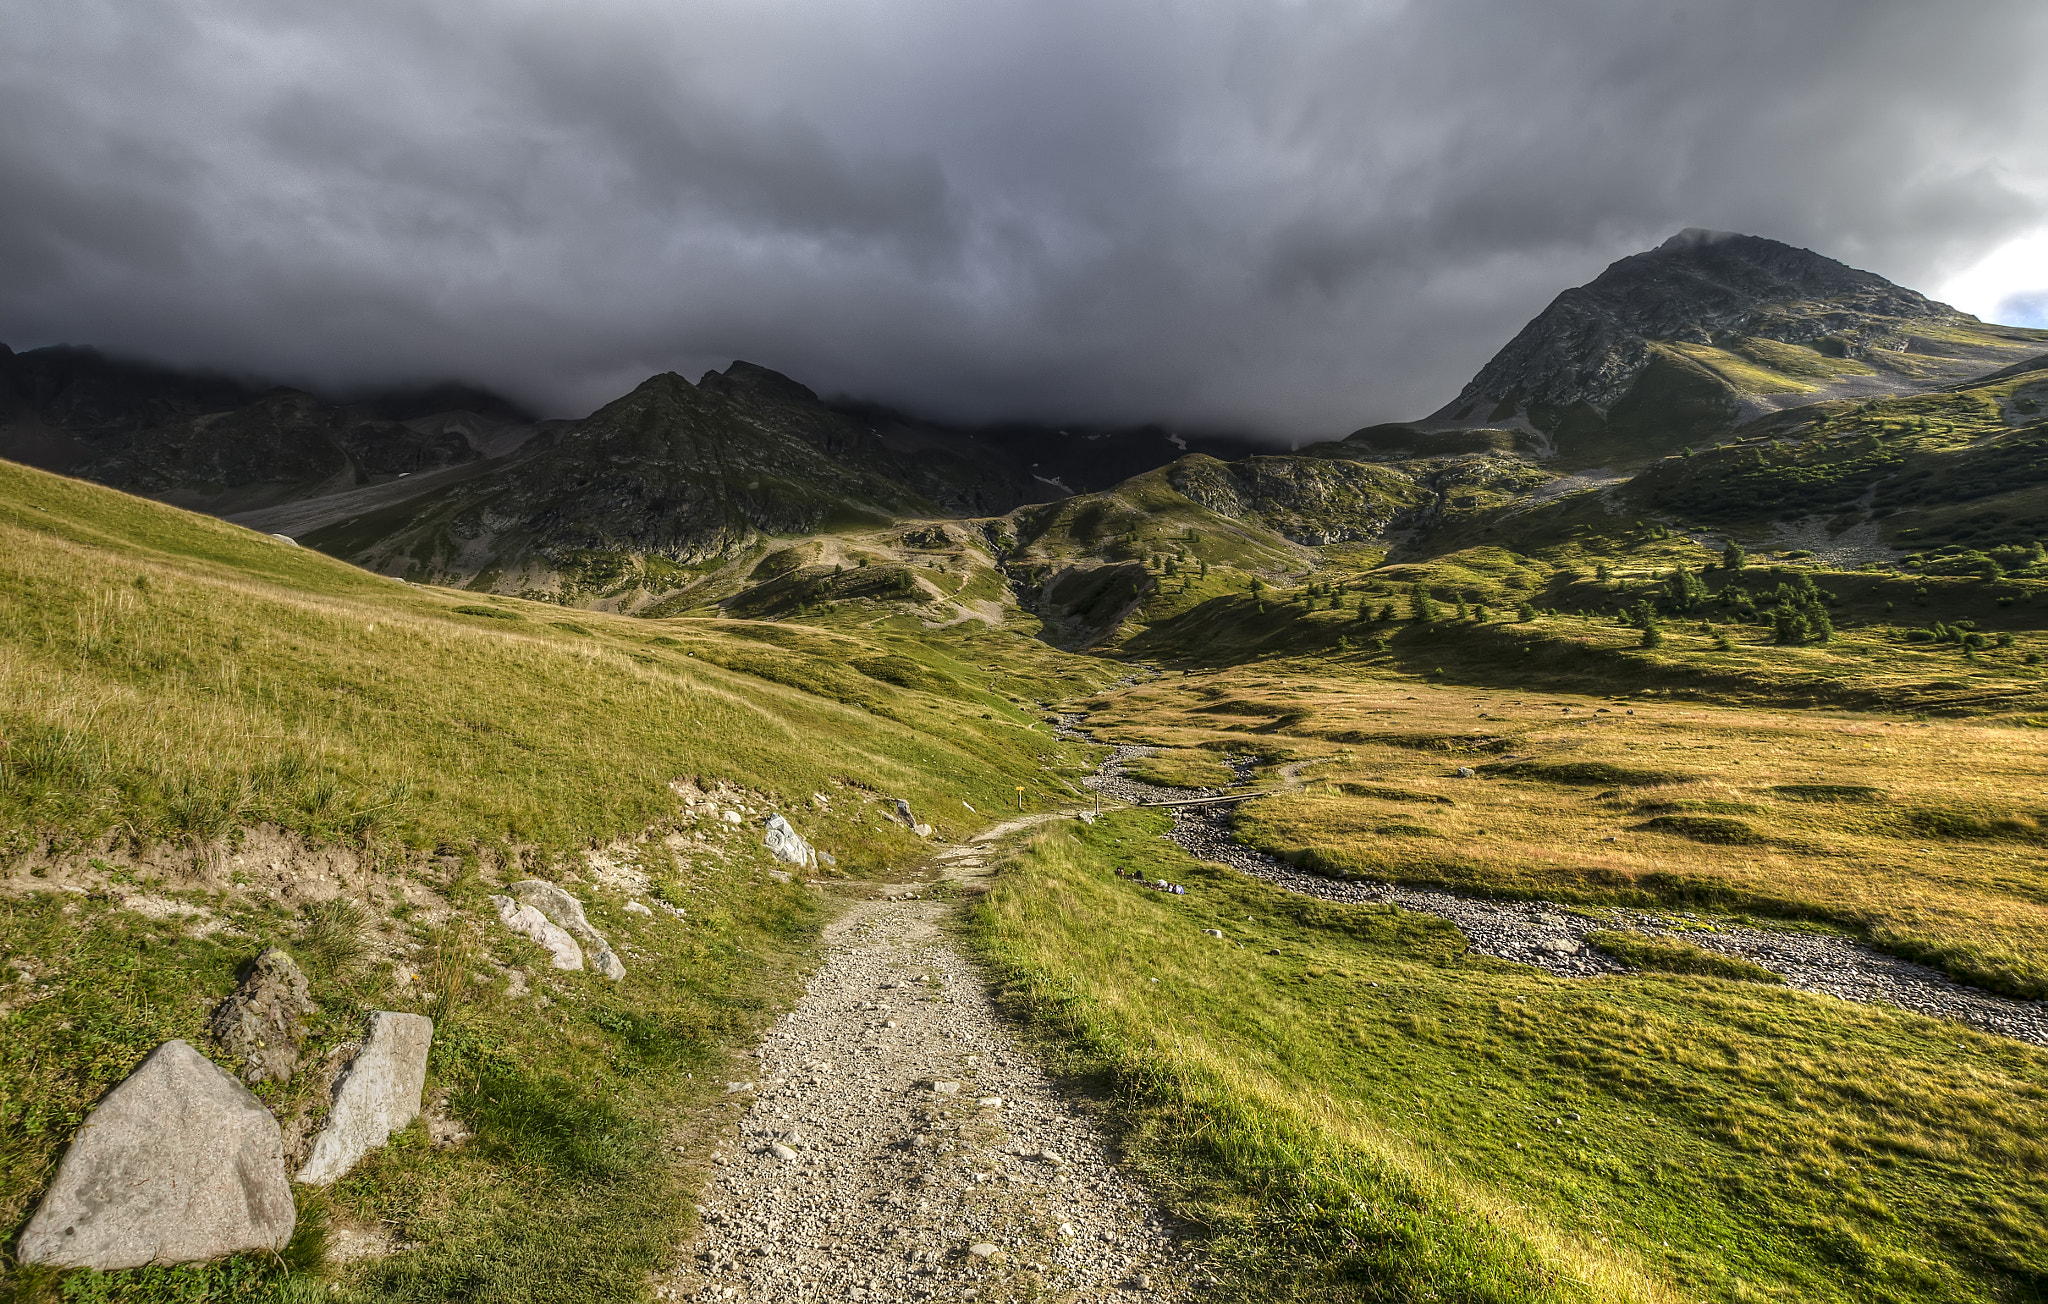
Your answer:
<point x="215" y="741"/>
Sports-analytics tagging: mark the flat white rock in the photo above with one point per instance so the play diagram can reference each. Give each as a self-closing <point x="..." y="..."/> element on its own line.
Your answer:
<point x="566" y="912"/>
<point x="531" y="924"/>
<point x="379" y="1094"/>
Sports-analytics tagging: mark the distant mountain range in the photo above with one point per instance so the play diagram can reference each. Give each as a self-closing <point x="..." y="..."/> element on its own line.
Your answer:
<point x="657" y="500"/>
<point x="455" y="479"/>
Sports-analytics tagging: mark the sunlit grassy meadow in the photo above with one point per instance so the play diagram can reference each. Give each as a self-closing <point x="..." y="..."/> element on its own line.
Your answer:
<point x="1354" y="1107"/>
<point x="1924" y="835"/>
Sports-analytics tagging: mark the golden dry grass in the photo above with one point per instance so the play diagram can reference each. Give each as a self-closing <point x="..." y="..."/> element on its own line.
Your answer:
<point x="1647" y="800"/>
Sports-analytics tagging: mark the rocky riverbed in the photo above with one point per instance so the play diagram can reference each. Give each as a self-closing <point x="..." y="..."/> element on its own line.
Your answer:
<point x="895" y="1143"/>
<point x="1553" y="936"/>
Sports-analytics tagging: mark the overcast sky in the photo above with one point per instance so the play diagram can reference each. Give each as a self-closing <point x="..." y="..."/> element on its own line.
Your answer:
<point x="1291" y="216"/>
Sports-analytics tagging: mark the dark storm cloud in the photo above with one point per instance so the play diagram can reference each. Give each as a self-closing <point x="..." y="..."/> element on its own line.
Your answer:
<point x="1296" y="216"/>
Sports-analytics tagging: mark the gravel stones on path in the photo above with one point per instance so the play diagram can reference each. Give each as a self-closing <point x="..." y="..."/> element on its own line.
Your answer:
<point x="1552" y="936"/>
<point x="899" y="1145"/>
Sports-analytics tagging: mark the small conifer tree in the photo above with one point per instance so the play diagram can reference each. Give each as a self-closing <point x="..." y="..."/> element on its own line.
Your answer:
<point x="1422" y="605"/>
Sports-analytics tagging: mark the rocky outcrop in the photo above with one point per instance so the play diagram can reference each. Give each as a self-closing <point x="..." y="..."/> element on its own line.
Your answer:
<point x="566" y="913"/>
<point x="787" y="845"/>
<point x="563" y="952"/>
<point x="378" y="1095"/>
<point x="264" y="1022"/>
<point x="178" y="1163"/>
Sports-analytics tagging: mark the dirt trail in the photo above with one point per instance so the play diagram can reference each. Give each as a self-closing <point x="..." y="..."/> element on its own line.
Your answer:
<point x="897" y="1143"/>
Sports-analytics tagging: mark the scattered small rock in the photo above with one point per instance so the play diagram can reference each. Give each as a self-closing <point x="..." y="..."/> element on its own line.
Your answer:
<point x="782" y="1152"/>
<point x="635" y="908"/>
<point x="787" y="845"/>
<point x="563" y="953"/>
<point x="264" y="1022"/>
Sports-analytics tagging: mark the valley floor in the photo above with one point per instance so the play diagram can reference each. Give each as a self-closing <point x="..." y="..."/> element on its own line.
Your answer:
<point x="1556" y="937"/>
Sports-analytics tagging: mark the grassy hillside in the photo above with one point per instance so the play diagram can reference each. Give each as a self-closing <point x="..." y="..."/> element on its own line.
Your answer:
<point x="216" y="741"/>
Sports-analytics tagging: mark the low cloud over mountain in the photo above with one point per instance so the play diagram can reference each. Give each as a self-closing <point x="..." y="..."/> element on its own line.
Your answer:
<point x="1291" y="218"/>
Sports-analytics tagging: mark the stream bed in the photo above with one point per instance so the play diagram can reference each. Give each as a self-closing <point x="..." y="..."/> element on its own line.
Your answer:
<point x="1553" y="937"/>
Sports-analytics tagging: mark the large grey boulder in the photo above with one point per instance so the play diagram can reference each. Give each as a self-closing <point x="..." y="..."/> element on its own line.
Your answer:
<point x="563" y="952"/>
<point x="566" y="912"/>
<point x="787" y="845"/>
<point x="179" y="1163"/>
<point x="263" y="1022"/>
<point x="378" y="1095"/>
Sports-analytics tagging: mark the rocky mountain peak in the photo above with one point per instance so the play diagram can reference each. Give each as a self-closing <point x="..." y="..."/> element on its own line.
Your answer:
<point x="758" y="381"/>
<point x="1699" y="287"/>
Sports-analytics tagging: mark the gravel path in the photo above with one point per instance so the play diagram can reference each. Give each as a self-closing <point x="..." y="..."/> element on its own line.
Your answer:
<point x="1552" y="936"/>
<point x="897" y="1144"/>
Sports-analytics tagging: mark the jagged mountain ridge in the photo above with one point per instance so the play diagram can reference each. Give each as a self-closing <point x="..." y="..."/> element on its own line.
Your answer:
<point x="672" y="471"/>
<point x="371" y="468"/>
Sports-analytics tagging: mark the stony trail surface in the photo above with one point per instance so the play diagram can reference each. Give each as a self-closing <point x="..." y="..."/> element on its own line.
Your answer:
<point x="898" y="1144"/>
<point x="1553" y="936"/>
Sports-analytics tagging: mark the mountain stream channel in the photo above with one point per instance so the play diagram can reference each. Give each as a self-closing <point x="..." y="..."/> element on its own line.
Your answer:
<point x="898" y="1143"/>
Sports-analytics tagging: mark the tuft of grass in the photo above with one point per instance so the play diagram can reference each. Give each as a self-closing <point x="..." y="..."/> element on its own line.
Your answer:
<point x="1587" y="774"/>
<point x="335" y="936"/>
<point x="1669" y="955"/>
<point x="1706" y="828"/>
<point x="1835" y="792"/>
